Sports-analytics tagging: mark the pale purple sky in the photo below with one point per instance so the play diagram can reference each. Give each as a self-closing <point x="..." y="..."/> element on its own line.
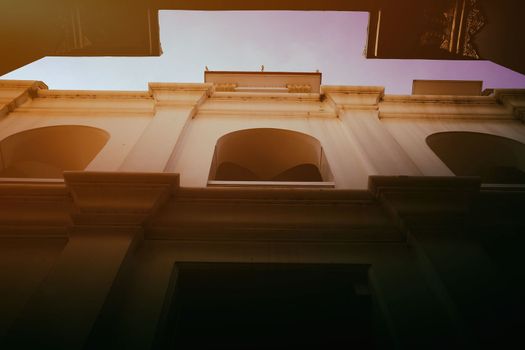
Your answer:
<point x="332" y="42"/>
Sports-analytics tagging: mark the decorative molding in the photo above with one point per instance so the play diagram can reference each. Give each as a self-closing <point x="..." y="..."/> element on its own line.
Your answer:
<point x="445" y="107"/>
<point x="93" y="103"/>
<point x="23" y="84"/>
<point x="262" y="96"/>
<point x="272" y="214"/>
<point x="226" y="87"/>
<point x="445" y="99"/>
<point x="503" y="94"/>
<point x="95" y="112"/>
<point x="299" y="88"/>
<point x="180" y="95"/>
<point x="263" y="113"/>
<point x="34" y="208"/>
<point x="24" y="91"/>
<point x="94" y="94"/>
<point x="353" y="97"/>
<point x="118" y="198"/>
<point x="204" y="87"/>
<point x="380" y="90"/>
<point x="504" y="116"/>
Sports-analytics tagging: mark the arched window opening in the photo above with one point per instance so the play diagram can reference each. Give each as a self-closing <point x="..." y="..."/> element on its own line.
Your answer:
<point x="495" y="159"/>
<point x="269" y="155"/>
<point x="48" y="151"/>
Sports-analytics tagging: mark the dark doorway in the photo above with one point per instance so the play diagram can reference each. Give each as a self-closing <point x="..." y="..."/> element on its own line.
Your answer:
<point x="268" y="306"/>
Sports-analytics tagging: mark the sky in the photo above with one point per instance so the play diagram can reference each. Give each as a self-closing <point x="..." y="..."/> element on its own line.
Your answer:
<point x="331" y="42"/>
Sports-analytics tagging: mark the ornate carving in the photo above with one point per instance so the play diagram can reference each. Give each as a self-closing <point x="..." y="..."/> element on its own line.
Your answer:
<point x="474" y="22"/>
<point x="452" y="26"/>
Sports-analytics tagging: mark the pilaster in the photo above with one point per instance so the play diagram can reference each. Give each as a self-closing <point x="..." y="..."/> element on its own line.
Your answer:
<point x="175" y="105"/>
<point x="434" y="213"/>
<point x="358" y="109"/>
<point x="109" y="210"/>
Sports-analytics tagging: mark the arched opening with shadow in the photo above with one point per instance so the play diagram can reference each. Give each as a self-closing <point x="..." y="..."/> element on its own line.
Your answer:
<point x="48" y="151"/>
<point x="494" y="158"/>
<point x="266" y="154"/>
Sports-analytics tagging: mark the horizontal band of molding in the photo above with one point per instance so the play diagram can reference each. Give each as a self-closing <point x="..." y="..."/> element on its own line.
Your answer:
<point x="501" y="94"/>
<point x="391" y="115"/>
<point x="277" y="234"/>
<point x="273" y="214"/>
<point x="325" y="89"/>
<point x="23" y="84"/>
<point x="86" y="111"/>
<point x="347" y="107"/>
<point x="180" y="87"/>
<point x="275" y="194"/>
<point x="265" y="113"/>
<point x="440" y="99"/>
<point x="250" y="96"/>
<point x="39" y="232"/>
<point x="47" y="189"/>
<point x="94" y="94"/>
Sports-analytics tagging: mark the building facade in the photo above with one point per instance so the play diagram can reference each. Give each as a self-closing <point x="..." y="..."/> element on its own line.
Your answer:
<point x="259" y="210"/>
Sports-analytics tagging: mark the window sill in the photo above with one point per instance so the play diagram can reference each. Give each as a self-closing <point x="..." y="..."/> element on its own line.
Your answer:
<point x="286" y="184"/>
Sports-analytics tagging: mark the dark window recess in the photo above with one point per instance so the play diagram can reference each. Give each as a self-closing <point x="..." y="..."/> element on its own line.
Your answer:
<point x="267" y="154"/>
<point x="268" y="306"/>
<point x="495" y="159"/>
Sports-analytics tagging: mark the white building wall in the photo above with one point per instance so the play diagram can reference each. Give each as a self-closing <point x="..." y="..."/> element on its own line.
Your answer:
<point x="174" y="127"/>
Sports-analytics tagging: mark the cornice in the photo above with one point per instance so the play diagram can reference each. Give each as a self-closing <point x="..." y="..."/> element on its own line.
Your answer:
<point x="443" y="107"/>
<point x="25" y="90"/>
<point x="92" y="103"/>
<point x="153" y="203"/>
<point x="34" y="208"/>
<point x="440" y="99"/>
<point x="503" y="94"/>
<point x="276" y="214"/>
<point x="159" y="95"/>
<point x="380" y="90"/>
<point x="93" y="94"/>
<point x="206" y="87"/>
<point x="265" y="96"/>
<point x="178" y="95"/>
<point x="23" y="84"/>
<point x="503" y="116"/>
<point x="83" y="111"/>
